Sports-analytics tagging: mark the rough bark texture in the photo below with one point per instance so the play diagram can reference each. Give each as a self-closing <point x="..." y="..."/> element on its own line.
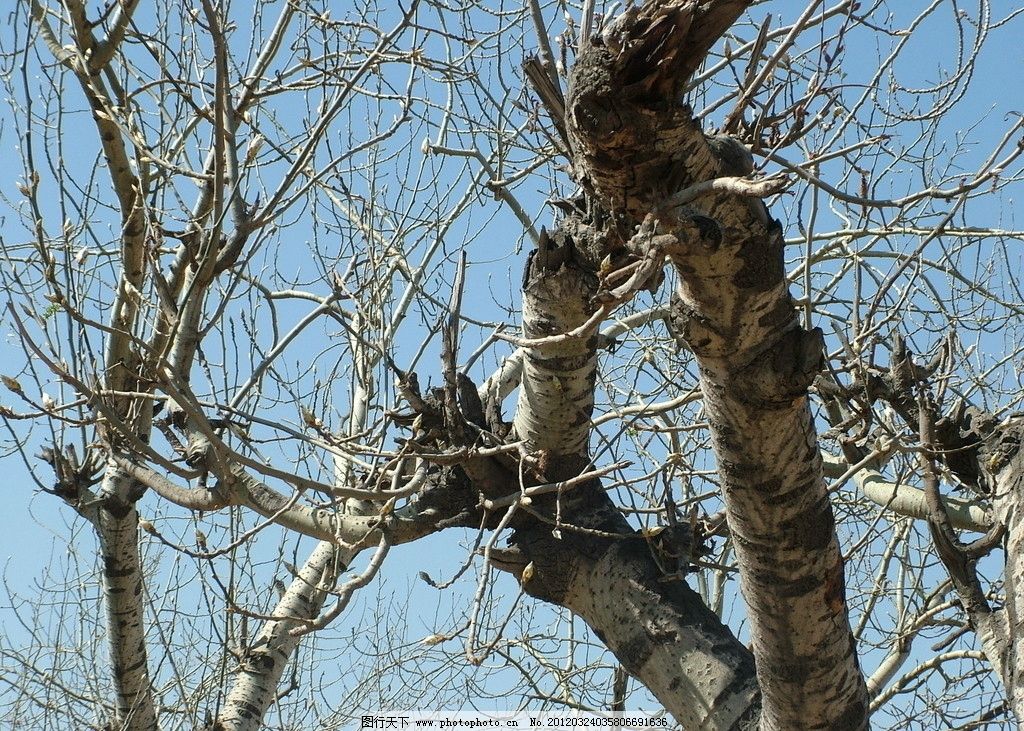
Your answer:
<point x="635" y="147"/>
<point x="556" y="392"/>
<point x="658" y="628"/>
<point x="790" y="564"/>
<point x="664" y="635"/>
<point x="1002" y="632"/>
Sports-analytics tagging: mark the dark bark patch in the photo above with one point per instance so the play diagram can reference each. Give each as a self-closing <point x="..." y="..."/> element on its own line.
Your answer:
<point x="261" y="662"/>
<point x="835" y="593"/>
<point x="778" y="316"/>
<point x="852" y="716"/>
<point x="116" y="507"/>
<point x="784" y="373"/>
<point x="791" y="588"/>
<point x="742" y="475"/>
<point x="582" y="417"/>
<point x="709" y="230"/>
<point x="692" y="330"/>
<point x="769" y="489"/>
<point x="814" y="529"/>
<point x="795" y="673"/>
<point x="763" y="260"/>
<point x="554" y="565"/>
<point x="112" y="568"/>
<point x="634" y="653"/>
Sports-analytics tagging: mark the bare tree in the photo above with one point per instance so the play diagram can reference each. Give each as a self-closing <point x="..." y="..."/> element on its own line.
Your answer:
<point x="762" y="369"/>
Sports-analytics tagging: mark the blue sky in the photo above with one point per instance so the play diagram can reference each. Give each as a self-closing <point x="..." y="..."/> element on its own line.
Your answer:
<point x="36" y="530"/>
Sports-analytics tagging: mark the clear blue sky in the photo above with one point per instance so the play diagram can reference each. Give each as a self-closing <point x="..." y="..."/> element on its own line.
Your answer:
<point x="35" y="528"/>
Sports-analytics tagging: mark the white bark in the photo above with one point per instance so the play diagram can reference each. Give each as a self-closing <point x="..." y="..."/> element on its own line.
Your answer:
<point x="116" y="524"/>
<point x="665" y="636"/>
<point x="259" y="674"/>
<point x="791" y="567"/>
<point x="1002" y="632"/>
<point x="907" y="500"/>
<point x="556" y="394"/>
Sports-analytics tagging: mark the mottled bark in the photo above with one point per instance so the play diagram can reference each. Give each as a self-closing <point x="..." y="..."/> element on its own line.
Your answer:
<point x="658" y="628"/>
<point x="637" y="149"/>
<point x="556" y="390"/>
<point x="665" y="636"/>
<point x="259" y="673"/>
<point x="790" y="564"/>
<point x="756" y="365"/>
<point x="117" y="526"/>
<point x="1002" y="631"/>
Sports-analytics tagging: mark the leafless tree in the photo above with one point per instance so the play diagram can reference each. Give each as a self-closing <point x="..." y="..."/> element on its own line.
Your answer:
<point x="762" y="366"/>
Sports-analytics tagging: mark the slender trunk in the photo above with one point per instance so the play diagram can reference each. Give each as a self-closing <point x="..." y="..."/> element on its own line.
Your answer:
<point x="116" y="524"/>
<point x="556" y="391"/>
<point x="256" y="681"/>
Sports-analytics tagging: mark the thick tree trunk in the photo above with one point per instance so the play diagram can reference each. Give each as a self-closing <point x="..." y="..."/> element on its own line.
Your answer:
<point x="663" y="633"/>
<point x="640" y="153"/>
<point x="790" y="563"/>
<point x="756" y="365"/>
<point x="657" y="627"/>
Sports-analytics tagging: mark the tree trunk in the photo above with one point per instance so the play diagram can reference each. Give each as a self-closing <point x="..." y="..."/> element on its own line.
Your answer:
<point x="790" y="564"/>
<point x="640" y="153"/>
<point x="256" y="681"/>
<point x="658" y="628"/>
<point x="1002" y="632"/>
<point x="556" y="391"/>
<point x="117" y="524"/>
<point x="578" y="551"/>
